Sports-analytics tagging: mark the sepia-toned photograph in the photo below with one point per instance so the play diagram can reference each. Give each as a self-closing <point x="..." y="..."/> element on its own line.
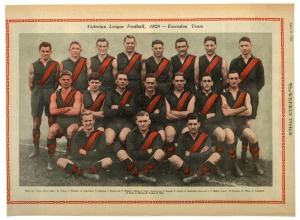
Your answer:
<point x="150" y="108"/>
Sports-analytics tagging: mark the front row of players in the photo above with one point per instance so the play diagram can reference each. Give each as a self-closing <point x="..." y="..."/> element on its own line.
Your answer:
<point x="140" y="150"/>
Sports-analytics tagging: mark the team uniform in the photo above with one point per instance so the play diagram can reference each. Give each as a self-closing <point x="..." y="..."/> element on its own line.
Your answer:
<point x="44" y="85"/>
<point x="94" y="144"/>
<point x="235" y="123"/>
<point x="137" y="146"/>
<point x="94" y="105"/>
<point x="187" y="67"/>
<point x="178" y="104"/>
<point x="161" y="71"/>
<point x="209" y="104"/>
<point x="64" y="121"/>
<point x="133" y="70"/>
<point x="251" y="76"/>
<point x="144" y="103"/>
<point x="105" y="69"/>
<point x="123" y="117"/>
<point x="214" y="69"/>
<point x="79" y="71"/>
<point x="194" y="146"/>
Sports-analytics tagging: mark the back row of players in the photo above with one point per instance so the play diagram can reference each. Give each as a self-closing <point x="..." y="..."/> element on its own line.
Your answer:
<point x="170" y="113"/>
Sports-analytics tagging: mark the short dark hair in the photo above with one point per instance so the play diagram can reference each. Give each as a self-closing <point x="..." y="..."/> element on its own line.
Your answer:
<point x="178" y="74"/>
<point x="157" y="42"/>
<point x="95" y="76"/>
<point x="192" y="116"/>
<point x="232" y="72"/>
<point x="65" y="73"/>
<point x="102" y="40"/>
<point x="142" y="113"/>
<point x="75" y="42"/>
<point x="130" y="37"/>
<point x="149" y="75"/>
<point x="45" y="44"/>
<point x="245" y="39"/>
<point x="121" y="73"/>
<point x="203" y="75"/>
<point x="212" y="38"/>
<point x="181" y="40"/>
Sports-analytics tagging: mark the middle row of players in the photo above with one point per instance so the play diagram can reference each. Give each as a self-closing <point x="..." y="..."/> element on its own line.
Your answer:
<point x="115" y="114"/>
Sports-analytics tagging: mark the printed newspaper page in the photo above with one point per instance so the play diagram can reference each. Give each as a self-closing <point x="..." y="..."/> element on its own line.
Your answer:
<point x="34" y="190"/>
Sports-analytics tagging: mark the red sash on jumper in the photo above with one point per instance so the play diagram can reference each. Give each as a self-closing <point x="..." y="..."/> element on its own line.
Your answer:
<point x="149" y="140"/>
<point x="198" y="143"/>
<point x="182" y="101"/>
<point x="209" y="103"/>
<point x="97" y="102"/>
<point x="212" y="64"/>
<point x="78" y="69"/>
<point x="240" y="100"/>
<point x="187" y="63"/>
<point x="161" y="67"/>
<point x="47" y="74"/>
<point x="125" y="98"/>
<point x="92" y="140"/>
<point x="153" y="103"/>
<point x="248" y="68"/>
<point x="69" y="97"/>
<point x="105" y="64"/>
<point x="132" y="62"/>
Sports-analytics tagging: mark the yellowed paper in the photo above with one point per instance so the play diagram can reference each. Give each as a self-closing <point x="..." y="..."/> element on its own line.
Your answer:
<point x="271" y="29"/>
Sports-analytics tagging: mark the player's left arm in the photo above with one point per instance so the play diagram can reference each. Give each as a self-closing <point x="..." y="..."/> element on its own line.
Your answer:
<point x="224" y="73"/>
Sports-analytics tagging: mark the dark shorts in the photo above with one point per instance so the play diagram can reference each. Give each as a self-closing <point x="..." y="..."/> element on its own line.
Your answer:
<point x="197" y="164"/>
<point x="237" y="126"/>
<point x="118" y="124"/>
<point x="40" y="99"/>
<point x="135" y="86"/>
<point x="65" y="122"/>
<point x="157" y="126"/>
<point x="254" y="103"/>
<point x="85" y="164"/>
<point x="99" y="124"/>
<point x="209" y="128"/>
<point x="177" y="125"/>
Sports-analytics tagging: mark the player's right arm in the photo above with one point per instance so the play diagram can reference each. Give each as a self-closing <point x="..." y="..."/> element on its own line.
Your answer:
<point x="31" y="77"/>
<point x="53" y="106"/>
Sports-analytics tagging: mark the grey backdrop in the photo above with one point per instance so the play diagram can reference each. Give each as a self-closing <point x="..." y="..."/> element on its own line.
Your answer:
<point x="227" y="48"/>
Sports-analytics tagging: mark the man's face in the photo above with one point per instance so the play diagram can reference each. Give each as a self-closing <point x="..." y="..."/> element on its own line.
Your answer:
<point x="102" y="48"/>
<point x="122" y="81"/>
<point x="158" y="50"/>
<point x="88" y="122"/>
<point x="193" y="126"/>
<point x="94" y="85"/>
<point x="45" y="53"/>
<point x="233" y="80"/>
<point x="210" y="47"/>
<point x="75" y="50"/>
<point x="245" y="47"/>
<point x="179" y="83"/>
<point x="206" y="83"/>
<point x="129" y="45"/>
<point x="150" y="84"/>
<point x="143" y="122"/>
<point x="65" y="81"/>
<point x="182" y="48"/>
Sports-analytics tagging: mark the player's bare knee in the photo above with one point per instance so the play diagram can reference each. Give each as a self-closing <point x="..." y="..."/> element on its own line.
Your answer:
<point x="106" y="162"/>
<point x="122" y="155"/>
<point x="159" y="154"/>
